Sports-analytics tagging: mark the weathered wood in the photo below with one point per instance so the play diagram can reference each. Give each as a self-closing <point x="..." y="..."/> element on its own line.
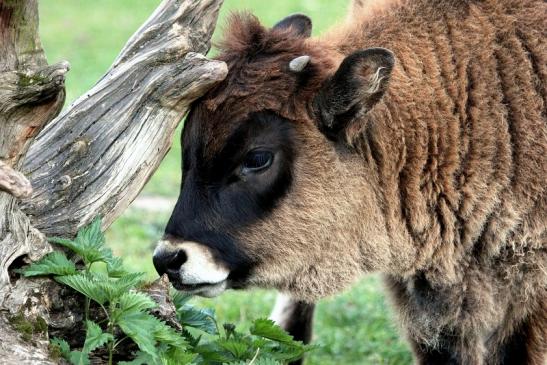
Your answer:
<point x="31" y="94"/>
<point x="96" y="156"/>
<point x="121" y="129"/>
<point x="14" y="182"/>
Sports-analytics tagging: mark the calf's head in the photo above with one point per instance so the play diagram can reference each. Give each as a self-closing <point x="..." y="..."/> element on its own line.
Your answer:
<point x="272" y="194"/>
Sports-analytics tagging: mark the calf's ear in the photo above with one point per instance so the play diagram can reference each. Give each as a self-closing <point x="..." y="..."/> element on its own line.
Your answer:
<point x="358" y="84"/>
<point x="299" y="24"/>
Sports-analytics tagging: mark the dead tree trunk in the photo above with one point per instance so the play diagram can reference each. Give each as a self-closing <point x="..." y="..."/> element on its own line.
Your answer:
<point x="96" y="156"/>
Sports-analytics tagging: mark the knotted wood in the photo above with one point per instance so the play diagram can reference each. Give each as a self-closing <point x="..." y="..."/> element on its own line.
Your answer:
<point x="121" y="129"/>
<point x="95" y="157"/>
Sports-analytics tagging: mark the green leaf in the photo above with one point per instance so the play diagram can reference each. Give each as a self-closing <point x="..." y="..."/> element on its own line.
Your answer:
<point x="258" y="361"/>
<point x="169" y="356"/>
<point x="88" y="244"/>
<point x="168" y="335"/>
<point x="180" y="298"/>
<point x="268" y="329"/>
<point x="190" y="339"/>
<point x="114" y="288"/>
<point x="134" y="302"/>
<point x="63" y="346"/>
<point x="91" y="234"/>
<point x="95" y="337"/>
<point x="236" y="348"/>
<point x="85" y="285"/>
<point x="266" y="361"/>
<point x="126" y="282"/>
<point x="140" y="327"/>
<point x="212" y="353"/>
<point x="73" y="246"/>
<point x="202" y="319"/>
<point x="282" y="352"/>
<point x="114" y="267"/>
<point x="146" y="330"/>
<point x="78" y="358"/>
<point x="54" y="263"/>
<point x="176" y="356"/>
<point x="100" y="287"/>
<point x="142" y="358"/>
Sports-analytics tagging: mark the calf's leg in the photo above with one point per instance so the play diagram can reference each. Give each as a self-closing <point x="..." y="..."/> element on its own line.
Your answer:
<point x="295" y="317"/>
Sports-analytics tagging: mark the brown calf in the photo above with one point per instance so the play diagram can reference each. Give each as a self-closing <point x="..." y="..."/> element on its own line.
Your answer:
<point x="411" y="141"/>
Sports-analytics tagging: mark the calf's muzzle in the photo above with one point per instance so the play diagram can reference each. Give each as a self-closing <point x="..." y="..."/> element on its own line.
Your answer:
<point x="191" y="267"/>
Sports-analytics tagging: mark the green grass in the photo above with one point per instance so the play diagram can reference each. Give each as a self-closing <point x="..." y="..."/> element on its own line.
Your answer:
<point x="353" y="328"/>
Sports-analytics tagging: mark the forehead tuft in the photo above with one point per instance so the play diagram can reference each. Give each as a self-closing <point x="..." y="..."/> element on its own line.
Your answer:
<point x="245" y="36"/>
<point x="258" y="68"/>
<point x="258" y="79"/>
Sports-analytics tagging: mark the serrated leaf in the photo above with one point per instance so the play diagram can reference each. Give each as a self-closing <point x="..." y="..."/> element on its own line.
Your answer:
<point x="142" y="358"/>
<point x="176" y="356"/>
<point x="63" y="346"/>
<point x="258" y="361"/>
<point x="71" y="245"/>
<point x="114" y="288"/>
<point x="167" y="335"/>
<point x="78" y="358"/>
<point x="283" y="353"/>
<point x="268" y="329"/>
<point x="134" y="302"/>
<point x="202" y="319"/>
<point x="140" y="328"/>
<point x="91" y="234"/>
<point x="126" y="282"/>
<point x="96" y="253"/>
<point x="168" y="356"/>
<point x="115" y="268"/>
<point x="145" y="330"/>
<point x="83" y="284"/>
<point x="180" y="298"/>
<point x="95" y="337"/>
<point x="212" y="353"/>
<point x="54" y="263"/>
<point x="88" y="244"/>
<point x="259" y="342"/>
<point x="265" y="361"/>
<point x="190" y="339"/>
<point x="237" y="348"/>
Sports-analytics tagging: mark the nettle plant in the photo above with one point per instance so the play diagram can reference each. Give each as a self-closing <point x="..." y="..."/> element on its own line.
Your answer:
<point x="93" y="271"/>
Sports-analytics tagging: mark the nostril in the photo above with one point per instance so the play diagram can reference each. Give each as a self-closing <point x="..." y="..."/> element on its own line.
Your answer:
<point x="176" y="261"/>
<point x="169" y="262"/>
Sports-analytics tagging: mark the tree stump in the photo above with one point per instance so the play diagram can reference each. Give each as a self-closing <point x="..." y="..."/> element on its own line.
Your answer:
<point x="96" y="156"/>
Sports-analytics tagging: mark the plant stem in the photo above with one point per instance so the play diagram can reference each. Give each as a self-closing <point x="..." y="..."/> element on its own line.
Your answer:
<point x="111" y="331"/>
<point x="255" y="357"/>
<point x="86" y="308"/>
<point x="87" y="299"/>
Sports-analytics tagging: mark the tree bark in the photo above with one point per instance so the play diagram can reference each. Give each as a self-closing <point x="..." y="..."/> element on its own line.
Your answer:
<point x="96" y="156"/>
<point x="122" y="128"/>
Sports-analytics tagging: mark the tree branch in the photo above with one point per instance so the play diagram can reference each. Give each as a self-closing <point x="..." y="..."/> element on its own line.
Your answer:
<point x="122" y="128"/>
<point x="31" y="94"/>
<point x="96" y="156"/>
<point x="13" y="182"/>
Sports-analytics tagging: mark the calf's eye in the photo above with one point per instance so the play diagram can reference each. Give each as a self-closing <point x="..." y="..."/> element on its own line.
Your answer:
<point x="256" y="161"/>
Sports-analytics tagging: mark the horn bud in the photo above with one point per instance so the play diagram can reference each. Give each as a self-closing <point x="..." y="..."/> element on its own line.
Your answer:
<point x="299" y="63"/>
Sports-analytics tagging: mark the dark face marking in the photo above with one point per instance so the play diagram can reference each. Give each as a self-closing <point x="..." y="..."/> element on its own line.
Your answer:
<point x="229" y="189"/>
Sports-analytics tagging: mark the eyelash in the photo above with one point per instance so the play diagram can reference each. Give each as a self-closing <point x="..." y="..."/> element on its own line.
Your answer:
<point x="256" y="161"/>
